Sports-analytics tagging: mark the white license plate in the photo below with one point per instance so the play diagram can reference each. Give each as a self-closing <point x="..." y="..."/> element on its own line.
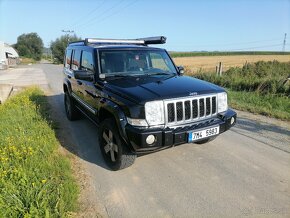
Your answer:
<point x="205" y="133"/>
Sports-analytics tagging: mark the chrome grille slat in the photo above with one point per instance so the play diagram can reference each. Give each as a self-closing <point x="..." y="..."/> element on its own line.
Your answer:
<point x="186" y="110"/>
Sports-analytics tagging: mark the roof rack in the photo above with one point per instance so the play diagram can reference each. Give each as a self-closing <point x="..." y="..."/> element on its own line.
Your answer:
<point x="141" y="41"/>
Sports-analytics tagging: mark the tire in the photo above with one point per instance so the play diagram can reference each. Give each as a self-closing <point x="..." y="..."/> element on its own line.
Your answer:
<point x="203" y="141"/>
<point x="115" y="153"/>
<point x="72" y="113"/>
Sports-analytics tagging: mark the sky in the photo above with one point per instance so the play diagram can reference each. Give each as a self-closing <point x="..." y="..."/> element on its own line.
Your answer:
<point x="196" y="25"/>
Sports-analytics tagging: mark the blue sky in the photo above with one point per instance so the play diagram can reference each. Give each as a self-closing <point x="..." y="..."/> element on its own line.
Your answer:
<point x="225" y="25"/>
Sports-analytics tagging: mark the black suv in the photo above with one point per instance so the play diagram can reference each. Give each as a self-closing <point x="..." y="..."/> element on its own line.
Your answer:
<point x="139" y="99"/>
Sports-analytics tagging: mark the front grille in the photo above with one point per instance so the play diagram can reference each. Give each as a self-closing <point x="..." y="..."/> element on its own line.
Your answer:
<point x="179" y="111"/>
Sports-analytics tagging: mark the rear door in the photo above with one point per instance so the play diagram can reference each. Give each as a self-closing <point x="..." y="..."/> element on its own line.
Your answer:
<point x="75" y="65"/>
<point x="89" y="95"/>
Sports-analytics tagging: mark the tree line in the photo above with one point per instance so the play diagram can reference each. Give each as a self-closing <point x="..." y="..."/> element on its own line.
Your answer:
<point x="30" y="45"/>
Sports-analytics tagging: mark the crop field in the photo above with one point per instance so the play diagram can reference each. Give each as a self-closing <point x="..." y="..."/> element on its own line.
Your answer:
<point x="196" y="64"/>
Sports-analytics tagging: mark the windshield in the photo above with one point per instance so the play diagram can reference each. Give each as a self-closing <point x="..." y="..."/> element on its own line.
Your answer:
<point x="136" y="62"/>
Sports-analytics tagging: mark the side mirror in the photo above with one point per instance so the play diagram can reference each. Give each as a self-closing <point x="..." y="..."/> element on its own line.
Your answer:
<point x="84" y="75"/>
<point x="180" y="70"/>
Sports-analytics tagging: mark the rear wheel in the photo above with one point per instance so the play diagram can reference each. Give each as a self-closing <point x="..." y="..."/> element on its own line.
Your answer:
<point x="71" y="111"/>
<point x="116" y="155"/>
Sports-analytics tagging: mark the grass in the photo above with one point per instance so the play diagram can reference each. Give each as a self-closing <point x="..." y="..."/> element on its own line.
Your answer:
<point x="24" y="60"/>
<point x="224" y="53"/>
<point x="35" y="179"/>
<point x="269" y="105"/>
<point x="262" y="77"/>
<point x="262" y="87"/>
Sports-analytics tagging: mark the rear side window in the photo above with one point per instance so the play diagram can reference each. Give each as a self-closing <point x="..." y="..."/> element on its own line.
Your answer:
<point x="87" y="61"/>
<point x="67" y="61"/>
<point x="76" y="60"/>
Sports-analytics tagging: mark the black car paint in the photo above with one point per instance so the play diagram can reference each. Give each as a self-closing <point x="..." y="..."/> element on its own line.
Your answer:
<point x="149" y="88"/>
<point x="125" y="97"/>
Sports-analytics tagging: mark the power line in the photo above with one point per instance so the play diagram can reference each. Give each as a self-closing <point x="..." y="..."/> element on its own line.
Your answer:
<point x="226" y="44"/>
<point x="113" y="13"/>
<point x="98" y="15"/>
<point x="88" y="14"/>
<point x="266" y="46"/>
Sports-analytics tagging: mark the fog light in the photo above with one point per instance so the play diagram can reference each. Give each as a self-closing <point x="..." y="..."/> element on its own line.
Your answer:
<point x="150" y="139"/>
<point x="232" y="120"/>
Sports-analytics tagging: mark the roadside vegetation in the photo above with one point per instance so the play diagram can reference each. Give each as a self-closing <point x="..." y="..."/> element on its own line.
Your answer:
<point x="35" y="179"/>
<point x="59" y="45"/>
<point x="261" y="87"/>
<point x="224" y="53"/>
<point x="24" y="60"/>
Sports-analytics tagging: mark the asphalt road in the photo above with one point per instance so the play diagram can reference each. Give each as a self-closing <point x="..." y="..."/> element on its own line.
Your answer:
<point x="244" y="172"/>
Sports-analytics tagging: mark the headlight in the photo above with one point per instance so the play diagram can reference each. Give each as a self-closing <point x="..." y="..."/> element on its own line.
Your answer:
<point x="154" y="112"/>
<point x="222" y="102"/>
<point x="137" y="122"/>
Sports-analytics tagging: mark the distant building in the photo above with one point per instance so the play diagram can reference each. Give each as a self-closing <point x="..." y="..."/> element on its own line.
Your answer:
<point x="8" y="56"/>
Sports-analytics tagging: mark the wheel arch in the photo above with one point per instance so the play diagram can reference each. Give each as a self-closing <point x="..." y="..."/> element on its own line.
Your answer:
<point x="112" y="110"/>
<point x="67" y="87"/>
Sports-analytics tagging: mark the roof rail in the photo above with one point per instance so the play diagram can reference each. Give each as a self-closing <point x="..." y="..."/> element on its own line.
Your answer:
<point x="141" y="41"/>
<point x="114" y="41"/>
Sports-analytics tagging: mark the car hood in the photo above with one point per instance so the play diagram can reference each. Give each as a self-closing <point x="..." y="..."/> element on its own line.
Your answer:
<point x="149" y="88"/>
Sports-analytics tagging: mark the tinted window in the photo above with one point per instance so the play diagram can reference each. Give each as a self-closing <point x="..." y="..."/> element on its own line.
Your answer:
<point x="67" y="61"/>
<point x="87" y="61"/>
<point x="159" y="62"/>
<point x="136" y="62"/>
<point x="76" y="60"/>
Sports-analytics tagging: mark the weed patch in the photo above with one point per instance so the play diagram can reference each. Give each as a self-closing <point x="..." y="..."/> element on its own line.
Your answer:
<point x="35" y="179"/>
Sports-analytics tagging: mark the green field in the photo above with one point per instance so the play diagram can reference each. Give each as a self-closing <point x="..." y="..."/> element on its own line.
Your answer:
<point x="262" y="87"/>
<point x="35" y="179"/>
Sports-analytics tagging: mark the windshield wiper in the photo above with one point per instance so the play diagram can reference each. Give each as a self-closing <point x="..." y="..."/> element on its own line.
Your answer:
<point x="159" y="73"/>
<point x="119" y="75"/>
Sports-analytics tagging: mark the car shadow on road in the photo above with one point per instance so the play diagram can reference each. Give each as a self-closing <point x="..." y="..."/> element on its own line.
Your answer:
<point x="256" y="127"/>
<point x="78" y="137"/>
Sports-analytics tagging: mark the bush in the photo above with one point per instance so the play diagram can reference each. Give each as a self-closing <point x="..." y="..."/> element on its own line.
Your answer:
<point x="30" y="46"/>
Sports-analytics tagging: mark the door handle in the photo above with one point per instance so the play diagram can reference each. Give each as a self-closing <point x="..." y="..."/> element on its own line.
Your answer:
<point x="79" y="82"/>
<point x="91" y="94"/>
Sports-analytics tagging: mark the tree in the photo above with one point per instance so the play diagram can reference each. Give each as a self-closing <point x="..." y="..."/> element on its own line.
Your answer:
<point x="29" y="45"/>
<point x="59" y="45"/>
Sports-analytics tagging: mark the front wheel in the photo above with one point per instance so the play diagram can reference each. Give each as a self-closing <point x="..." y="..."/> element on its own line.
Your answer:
<point x="113" y="148"/>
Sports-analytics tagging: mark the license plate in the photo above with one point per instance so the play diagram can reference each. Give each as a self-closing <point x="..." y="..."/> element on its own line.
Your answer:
<point x="205" y="133"/>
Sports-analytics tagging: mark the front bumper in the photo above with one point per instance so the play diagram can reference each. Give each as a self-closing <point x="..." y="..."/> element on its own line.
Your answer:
<point x="168" y="137"/>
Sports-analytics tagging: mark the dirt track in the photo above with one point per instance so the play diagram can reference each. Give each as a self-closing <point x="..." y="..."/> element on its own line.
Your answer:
<point x="208" y="63"/>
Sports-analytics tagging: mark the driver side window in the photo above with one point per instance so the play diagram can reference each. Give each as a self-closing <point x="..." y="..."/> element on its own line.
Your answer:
<point x="87" y="62"/>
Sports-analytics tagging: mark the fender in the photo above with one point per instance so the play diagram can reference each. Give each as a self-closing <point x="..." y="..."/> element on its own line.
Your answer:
<point x="119" y="116"/>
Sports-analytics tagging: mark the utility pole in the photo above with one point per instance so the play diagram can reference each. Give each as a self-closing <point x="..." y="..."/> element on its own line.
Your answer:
<point x="284" y="42"/>
<point x="67" y="32"/>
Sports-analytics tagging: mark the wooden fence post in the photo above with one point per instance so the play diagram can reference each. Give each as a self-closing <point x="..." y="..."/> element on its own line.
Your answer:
<point x="220" y="69"/>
